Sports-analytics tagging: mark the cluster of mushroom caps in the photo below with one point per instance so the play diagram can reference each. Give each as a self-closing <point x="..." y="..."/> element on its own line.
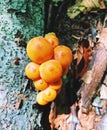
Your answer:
<point x="49" y="62"/>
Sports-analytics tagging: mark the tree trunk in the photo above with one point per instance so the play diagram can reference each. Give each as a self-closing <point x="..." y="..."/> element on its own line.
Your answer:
<point x="19" y="22"/>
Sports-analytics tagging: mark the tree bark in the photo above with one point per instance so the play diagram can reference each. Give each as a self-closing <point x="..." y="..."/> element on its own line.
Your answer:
<point x="19" y="22"/>
<point x="95" y="72"/>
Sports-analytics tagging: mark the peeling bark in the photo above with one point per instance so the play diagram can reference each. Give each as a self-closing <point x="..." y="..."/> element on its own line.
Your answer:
<point x="97" y="67"/>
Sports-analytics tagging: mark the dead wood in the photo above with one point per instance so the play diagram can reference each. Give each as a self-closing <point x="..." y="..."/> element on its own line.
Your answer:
<point x="96" y="69"/>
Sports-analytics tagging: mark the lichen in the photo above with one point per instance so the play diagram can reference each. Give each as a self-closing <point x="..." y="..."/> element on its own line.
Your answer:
<point x="26" y="17"/>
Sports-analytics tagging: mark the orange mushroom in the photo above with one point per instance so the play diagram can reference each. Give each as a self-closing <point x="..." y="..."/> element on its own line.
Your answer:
<point x="32" y="71"/>
<point x="40" y="98"/>
<point x="56" y="85"/>
<point x="52" y="38"/>
<point x="64" y="55"/>
<point x="40" y="84"/>
<point x="51" y="71"/>
<point x="49" y="94"/>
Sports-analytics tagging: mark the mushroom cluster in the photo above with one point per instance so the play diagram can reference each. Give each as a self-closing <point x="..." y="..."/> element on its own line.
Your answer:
<point x="50" y="61"/>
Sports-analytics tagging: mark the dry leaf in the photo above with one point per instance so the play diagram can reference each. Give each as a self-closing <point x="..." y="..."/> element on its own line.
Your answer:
<point x="102" y="4"/>
<point x="86" y="120"/>
<point x="83" y="57"/>
<point x="60" y="121"/>
<point x="79" y="55"/>
<point x="52" y="115"/>
<point x="20" y="96"/>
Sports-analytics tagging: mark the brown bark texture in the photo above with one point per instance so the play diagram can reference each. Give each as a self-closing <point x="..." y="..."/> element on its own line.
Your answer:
<point x="95" y="71"/>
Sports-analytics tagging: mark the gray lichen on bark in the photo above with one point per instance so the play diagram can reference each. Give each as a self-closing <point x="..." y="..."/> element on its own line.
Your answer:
<point x="22" y="19"/>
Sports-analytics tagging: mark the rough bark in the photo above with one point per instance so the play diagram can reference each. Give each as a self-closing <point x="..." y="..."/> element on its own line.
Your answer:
<point x="95" y="72"/>
<point x="19" y="22"/>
